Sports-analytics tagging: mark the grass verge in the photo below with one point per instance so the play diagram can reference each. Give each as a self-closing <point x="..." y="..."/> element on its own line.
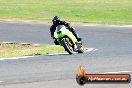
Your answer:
<point x="93" y="11"/>
<point x="17" y="50"/>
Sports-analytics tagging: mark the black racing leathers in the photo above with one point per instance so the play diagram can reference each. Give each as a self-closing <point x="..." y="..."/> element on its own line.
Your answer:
<point x="53" y="28"/>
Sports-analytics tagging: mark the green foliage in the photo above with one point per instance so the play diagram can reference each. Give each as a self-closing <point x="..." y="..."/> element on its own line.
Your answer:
<point x="17" y="50"/>
<point x="93" y="11"/>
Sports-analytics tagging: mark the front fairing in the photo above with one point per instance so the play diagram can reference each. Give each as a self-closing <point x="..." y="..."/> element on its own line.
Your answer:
<point x="61" y="32"/>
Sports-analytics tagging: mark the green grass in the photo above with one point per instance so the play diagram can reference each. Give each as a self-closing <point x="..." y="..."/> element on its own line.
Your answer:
<point x="92" y="11"/>
<point x="17" y="50"/>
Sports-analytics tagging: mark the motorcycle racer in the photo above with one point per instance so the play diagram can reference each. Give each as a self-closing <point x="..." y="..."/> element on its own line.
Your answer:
<point x="56" y="21"/>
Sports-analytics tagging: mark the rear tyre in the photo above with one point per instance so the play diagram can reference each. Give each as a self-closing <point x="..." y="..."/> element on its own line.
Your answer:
<point x="67" y="45"/>
<point x="80" y="50"/>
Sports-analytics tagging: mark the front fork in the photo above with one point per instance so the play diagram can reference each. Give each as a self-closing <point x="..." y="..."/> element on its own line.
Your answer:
<point x="70" y="42"/>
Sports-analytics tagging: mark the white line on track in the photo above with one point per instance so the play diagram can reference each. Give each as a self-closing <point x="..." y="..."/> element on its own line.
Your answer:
<point x="1" y="81"/>
<point x="85" y="50"/>
<point x="15" y="58"/>
<point x="117" y="72"/>
<point x="104" y="25"/>
<point x="89" y="49"/>
<point x="74" y="24"/>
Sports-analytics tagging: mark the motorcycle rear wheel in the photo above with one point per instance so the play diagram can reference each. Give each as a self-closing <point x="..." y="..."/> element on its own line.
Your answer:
<point x="80" y="50"/>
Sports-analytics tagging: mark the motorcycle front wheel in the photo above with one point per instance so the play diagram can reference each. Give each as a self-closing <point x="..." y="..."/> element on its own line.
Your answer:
<point x="67" y="45"/>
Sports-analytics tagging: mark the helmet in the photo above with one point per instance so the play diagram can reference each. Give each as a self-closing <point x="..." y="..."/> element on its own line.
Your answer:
<point x="56" y="20"/>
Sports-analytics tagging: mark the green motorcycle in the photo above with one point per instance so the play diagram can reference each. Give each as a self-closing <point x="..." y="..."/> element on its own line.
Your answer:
<point x="66" y="39"/>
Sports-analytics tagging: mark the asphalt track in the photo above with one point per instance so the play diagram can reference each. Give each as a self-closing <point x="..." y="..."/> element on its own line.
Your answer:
<point x="114" y="55"/>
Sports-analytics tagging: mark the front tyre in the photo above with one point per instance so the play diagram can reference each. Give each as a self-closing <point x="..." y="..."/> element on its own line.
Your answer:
<point x="67" y="45"/>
